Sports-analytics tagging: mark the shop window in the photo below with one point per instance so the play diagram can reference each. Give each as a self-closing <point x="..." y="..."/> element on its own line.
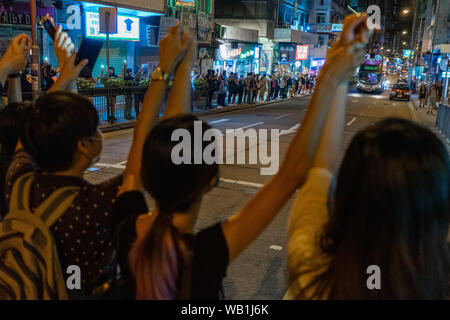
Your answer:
<point x="321" y="17"/>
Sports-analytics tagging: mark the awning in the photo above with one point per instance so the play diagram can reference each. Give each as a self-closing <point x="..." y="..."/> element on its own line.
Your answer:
<point x="295" y="36"/>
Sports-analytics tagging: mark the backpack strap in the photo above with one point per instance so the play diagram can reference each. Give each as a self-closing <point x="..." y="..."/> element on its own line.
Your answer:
<point x="56" y="204"/>
<point x="20" y="194"/>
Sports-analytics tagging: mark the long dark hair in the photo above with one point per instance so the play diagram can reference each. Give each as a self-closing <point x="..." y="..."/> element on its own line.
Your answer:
<point x="391" y="209"/>
<point x="158" y="259"/>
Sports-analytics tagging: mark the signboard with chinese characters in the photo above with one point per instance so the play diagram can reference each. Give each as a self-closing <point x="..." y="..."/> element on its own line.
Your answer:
<point x="302" y="52"/>
<point x="185" y="3"/>
<point x="164" y="25"/>
<point x="127" y="27"/>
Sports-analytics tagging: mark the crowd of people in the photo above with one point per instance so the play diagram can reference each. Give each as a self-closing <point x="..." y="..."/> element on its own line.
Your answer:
<point x="387" y="205"/>
<point x="254" y="87"/>
<point x="431" y="97"/>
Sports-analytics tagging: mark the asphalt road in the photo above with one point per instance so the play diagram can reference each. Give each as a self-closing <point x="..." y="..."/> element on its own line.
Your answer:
<point x="260" y="271"/>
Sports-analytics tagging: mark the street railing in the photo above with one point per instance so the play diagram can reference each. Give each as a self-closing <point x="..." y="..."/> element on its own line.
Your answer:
<point x="443" y="120"/>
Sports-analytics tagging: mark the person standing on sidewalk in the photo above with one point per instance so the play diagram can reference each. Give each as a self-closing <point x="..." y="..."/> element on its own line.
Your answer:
<point x="253" y="88"/>
<point x="422" y="94"/>
<point x="262" y="88"/>
<point x="247" y="88"/>
<point x="439" y="89"/>
<point x="433" y="95"/>
<point x="211" y="78"/>
<point x="240" y="88"/>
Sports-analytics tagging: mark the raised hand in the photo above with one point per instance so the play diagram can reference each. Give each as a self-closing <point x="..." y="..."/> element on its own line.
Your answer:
<point x="64" y="46"/>
<point x="173" y="48"/>
<point x="69" y="72"/>
<point x="15" y="58"/>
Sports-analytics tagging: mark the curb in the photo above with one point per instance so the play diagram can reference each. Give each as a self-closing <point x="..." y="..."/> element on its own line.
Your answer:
<point x="130" y="124"/>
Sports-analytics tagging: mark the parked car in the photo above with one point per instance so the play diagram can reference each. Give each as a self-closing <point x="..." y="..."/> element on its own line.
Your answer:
<point x="400" y="91"/>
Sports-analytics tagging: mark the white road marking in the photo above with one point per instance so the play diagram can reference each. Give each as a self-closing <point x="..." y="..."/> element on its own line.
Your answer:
<point x="244" y="183"/>
<point x="110" y="165"/>
<point x="355" y="100"/>
<point x="250" y="125"/>
<point x="274" y="247"/>
<point x="284" y="115"/>
<point x="290" y="130"/>
<point x="353" y="120"/>
<point x="219" y="121"/>
<point x="361" y="113"/>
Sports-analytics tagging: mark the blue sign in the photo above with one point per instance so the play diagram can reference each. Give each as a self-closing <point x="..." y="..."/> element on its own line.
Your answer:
<point x="257" y="53"/>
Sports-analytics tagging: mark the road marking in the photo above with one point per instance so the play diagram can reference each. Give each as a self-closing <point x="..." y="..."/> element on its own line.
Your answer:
<point x="353" y="120"/>
<point x="361" y="113"/>
<point x="274" y="247"/>
<point x="219" y="121"/>
<point x="108" y="165"/>
<point x="290" y="130"/>
<point x="244" y="183"/>
<point x="251" y="125"/>
<point x="284" y="115"/>
<point x="355" y="100"/>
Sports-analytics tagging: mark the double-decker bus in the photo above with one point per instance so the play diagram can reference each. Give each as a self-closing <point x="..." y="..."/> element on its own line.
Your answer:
<point x="370" y="75"/>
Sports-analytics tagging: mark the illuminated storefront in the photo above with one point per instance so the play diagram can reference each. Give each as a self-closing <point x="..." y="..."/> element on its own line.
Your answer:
<point x="243" y="59"/>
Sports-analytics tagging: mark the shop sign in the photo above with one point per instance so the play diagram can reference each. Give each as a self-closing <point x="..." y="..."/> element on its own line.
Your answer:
<point x="302" y="52"/>
<point x="250" y="53"/>
<point x="19" y="13"/>
<point x="185" y="3"/>
<point x="227" y="53"/>
<point x="127" y="27"/>
<point x="164" y="25"/>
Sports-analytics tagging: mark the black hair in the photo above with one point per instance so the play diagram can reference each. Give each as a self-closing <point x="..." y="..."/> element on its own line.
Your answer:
<point x="58" y="121"/>
<point x="391" y="209"/>
<point x="12" y="118"/>
<point x="158" y="260"/>
<point x="173" y="186"/>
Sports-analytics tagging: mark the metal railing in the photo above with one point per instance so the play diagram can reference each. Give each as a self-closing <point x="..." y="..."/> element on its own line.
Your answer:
<point x="443" y="120"/>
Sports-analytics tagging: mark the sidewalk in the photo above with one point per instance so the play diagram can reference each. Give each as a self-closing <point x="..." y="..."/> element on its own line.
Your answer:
<point x="427" y="120"/>
<point x="126" y="124"/>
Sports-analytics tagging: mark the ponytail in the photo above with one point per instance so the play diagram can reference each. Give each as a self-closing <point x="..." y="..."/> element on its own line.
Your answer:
<point x="157" y="260"/>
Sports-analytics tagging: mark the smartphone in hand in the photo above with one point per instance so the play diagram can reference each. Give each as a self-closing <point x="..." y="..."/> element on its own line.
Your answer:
<point x="49" y="24"/>
<point x="89" y="49"/>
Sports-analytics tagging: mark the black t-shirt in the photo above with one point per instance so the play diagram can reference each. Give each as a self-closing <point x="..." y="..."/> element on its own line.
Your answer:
<point x="210" y="251"/>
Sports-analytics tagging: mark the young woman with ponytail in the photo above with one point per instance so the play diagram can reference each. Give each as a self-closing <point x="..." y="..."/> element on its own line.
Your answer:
<point x="160" y="256"/>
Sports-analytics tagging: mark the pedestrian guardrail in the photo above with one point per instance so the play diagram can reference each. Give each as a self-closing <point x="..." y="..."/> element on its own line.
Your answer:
<point x="443" y="120"/>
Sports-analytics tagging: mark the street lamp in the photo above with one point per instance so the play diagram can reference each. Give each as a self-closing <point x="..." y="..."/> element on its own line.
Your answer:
<point x="405" y="11"/>
<point x="404" y="32"/>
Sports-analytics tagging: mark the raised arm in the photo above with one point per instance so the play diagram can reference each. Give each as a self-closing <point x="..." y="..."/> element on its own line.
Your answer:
<point x="327" y="155"/>
<point x="138" y="74"/>
<point x="100" y="76"/>
<point x="15" y="58"/>
<point x="241" y="229"/>
<point x="180" y="95"/>
<point x="64" y="51"/>
<point x="172" y="51"/>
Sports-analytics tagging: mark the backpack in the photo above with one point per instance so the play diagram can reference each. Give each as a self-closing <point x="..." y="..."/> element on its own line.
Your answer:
<point x="29" y="262"/>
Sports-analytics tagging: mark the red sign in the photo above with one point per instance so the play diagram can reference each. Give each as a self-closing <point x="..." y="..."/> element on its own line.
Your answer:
<point x="302" y="52"/>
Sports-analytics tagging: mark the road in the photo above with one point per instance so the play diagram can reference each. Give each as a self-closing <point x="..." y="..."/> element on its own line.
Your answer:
<point x="260" y="271"/>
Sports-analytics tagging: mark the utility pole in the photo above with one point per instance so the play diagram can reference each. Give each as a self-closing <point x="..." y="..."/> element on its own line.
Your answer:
<point x="35" y="59"/>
